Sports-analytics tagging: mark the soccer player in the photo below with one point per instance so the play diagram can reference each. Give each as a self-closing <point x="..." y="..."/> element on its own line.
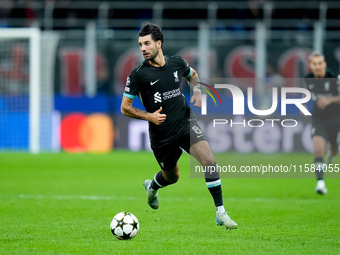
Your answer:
<point x="325" y="91"/>
<point x="172" y="124"/>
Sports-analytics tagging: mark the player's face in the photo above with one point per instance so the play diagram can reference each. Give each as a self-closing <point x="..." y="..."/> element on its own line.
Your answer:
<point x="318" y="66"/>
<point x="148" y="47"/>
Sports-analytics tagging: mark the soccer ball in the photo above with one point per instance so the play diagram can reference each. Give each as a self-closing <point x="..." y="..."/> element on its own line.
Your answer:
<point x="124" y="225"/>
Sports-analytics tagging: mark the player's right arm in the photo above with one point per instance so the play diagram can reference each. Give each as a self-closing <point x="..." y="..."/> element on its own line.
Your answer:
<point x="304" y="85"/>
<point x="131" y="90"/>
<point x="128" y="110"/>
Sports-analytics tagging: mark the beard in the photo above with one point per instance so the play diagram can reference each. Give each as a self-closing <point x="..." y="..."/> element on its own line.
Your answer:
<point x="152" y="55"/>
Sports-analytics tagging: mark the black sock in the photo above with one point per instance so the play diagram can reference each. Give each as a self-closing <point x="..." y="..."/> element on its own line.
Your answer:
<point x="159" y="181"/>
<point x="318" y="165"/>
<point x="213" y="182"/>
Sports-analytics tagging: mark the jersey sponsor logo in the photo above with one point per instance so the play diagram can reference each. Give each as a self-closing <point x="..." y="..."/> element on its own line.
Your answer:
<point x="172" y="94"/>
<point x="176" y="76"/>
<point x="152" y="83"/>
<point x="157" y="97"/>
<point x="127" y="89"/>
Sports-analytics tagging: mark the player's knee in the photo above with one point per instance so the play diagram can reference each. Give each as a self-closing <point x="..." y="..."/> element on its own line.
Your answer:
<point x="208" y="161"/>
<point x="334" y="151"/>
<point x="318" y="151"/>
<point x="173" y="178"/>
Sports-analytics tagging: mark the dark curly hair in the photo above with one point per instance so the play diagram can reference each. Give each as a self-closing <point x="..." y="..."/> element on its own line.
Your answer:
<point x="153" y="29"/>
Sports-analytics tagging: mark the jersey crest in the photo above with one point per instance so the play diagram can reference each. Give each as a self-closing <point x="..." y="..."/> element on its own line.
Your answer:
<point x="176" y="76"/>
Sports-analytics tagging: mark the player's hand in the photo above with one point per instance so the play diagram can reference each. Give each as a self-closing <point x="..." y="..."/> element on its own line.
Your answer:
<point x="323" y="102"/>
<point x="157" y="117"/>
<point x="196" y="99"/>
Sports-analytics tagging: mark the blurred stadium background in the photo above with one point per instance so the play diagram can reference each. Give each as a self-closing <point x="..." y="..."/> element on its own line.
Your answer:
<point x="63" y="68"/>
<point x="63" y="64"/>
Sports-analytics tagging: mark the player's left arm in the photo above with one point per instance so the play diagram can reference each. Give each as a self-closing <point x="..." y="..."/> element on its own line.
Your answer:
<point x="303" y="84"/>
<point x="193" y="82"/>
<point x="324" y="101"/>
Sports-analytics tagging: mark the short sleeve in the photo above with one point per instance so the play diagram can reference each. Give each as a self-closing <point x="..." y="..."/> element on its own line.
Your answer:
<point x="306" y="79"/>
<point x="303" y="83"/>
<point x="132" y="86"/>
<point x="186" y="68"/>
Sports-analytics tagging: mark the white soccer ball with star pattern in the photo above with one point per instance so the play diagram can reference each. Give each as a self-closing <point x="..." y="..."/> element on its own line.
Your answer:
<point x="124" y="225"/>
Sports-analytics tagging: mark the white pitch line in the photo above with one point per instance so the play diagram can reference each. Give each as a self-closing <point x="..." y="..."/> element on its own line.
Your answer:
<point x="70" y="197"/>
<point x="95" y="197"/>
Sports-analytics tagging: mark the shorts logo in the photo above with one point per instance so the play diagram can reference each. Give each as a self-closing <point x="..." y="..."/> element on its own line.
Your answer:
<point x="176" y="76"/>
<point x="157" y="97"/>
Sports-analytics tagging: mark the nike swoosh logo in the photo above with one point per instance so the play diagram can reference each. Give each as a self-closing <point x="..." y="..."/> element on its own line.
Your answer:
<point x="152" y="83"/>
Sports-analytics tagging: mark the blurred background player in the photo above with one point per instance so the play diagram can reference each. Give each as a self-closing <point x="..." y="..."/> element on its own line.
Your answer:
<point x="172" y="124"/>
<point x="323" y="85"/>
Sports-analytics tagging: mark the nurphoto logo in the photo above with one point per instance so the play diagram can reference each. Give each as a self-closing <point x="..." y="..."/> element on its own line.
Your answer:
<point x="238" y="105"/>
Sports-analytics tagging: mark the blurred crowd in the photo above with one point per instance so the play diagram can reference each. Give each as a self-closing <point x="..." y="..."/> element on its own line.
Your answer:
<point x="70" y="14"/>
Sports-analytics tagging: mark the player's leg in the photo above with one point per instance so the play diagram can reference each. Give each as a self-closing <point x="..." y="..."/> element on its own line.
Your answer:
<point x="319" y="150"/>
<point x="202" y="152"/>
<point x="196" y="144"/>
<point x="161" y="180"/>
<point x="167" y="157"/>
<point x="319" y="137"/>
<point x="171" y="176"/>
<point x="334" y="139"/>
<point x="164" y="178"/>
<point x="331" y="153"/>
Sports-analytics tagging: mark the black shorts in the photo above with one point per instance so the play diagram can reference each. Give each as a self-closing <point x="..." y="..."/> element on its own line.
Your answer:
<point x="329" y="129"/>
<point x="168" y="154"/>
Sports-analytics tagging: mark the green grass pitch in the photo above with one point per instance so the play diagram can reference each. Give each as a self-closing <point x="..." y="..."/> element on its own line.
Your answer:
<point x="63" y="204"/>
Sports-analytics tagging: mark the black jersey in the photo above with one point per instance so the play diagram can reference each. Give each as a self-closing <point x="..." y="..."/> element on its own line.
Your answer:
<point x="327" y="86"/>
<point x="160" y="87"/>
